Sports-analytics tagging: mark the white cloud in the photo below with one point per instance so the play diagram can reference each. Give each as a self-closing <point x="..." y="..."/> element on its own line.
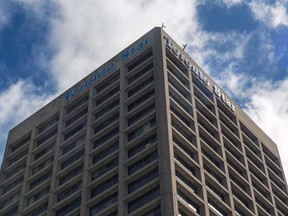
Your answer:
<point x="34" y="6"/>
<point x="233" y="83"/>
<point x="230" y="3"/>
<point x="88" y="33"/>
<point x="272" y="15"/>
<point x="4" y="13"/>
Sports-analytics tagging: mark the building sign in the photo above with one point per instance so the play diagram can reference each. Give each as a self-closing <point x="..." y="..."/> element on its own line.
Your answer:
<point x="96" y="76"/>
<point x="198" y="73"/>
<point x="134" y="50"/>
<point x="106" y="70"/>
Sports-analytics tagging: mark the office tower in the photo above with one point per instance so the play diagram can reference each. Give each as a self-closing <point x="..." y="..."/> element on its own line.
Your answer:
<point x="147" y="133"/>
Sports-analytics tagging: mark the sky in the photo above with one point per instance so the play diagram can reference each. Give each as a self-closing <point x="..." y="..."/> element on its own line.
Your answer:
<point x="47" y="46"/>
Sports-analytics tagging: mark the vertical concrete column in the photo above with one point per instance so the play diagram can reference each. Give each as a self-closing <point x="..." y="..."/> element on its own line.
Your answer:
<point x="53" y="185"/>
<point x="26" y="172"/>
<point x="204" y="209"/>
<point x="122" y="153"/>
<point x="248" y="175"/>
<point x="85" y="191"/>
<point x="230" y="197"/>
<point x="168" y="191"/>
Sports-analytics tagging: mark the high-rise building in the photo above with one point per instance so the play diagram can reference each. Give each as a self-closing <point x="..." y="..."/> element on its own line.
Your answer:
<point x="147" y="133"/>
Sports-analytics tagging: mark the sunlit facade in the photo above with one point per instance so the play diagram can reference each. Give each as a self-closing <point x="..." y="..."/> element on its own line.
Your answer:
<point x="147" y="133"/>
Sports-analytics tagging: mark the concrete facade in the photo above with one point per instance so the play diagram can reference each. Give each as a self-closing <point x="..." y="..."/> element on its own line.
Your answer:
<point x="147" y="133"/>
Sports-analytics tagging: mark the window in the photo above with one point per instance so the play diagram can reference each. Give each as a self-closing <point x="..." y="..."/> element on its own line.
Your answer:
<point x="107" y="96"/>
<point x="20" y="143"/>
<point x="104" y="186"/>
<point x="106" y="137"/>
<point x="139" y="131"/>
<point x="105" y="152"/>
<point x="77" y="104"/>
<point x="179" y="88"/>
<point x="181" y="213"/>
<point x="214" y="191"/>
<point x="181" y="196"/>
<point x="13" y="185"/>
<point x="72" y="189"/>
<point x="104" y="169"/>
<point x="73" y="145"/>
<point x="187" y="134"/>
<point x="42" y="165"/>
<point x="108" y="83"/>
<point x="48" y="124"/>
<point x="179" y="76"/>
<point x="185" y="164"/>
<point x="267" y="208"/>
<point x="186" y="148"/>
<point x="141" y="146"/>
<point x="141" y="100"/>
<point x="12" y="212"/>
<point x="186" y="181"/>
<point x="140" y="73"/>
<point x="75" y="130"/>
<point x="154" y="212"/>
<point x="72" y="159"/>
<point x="206" y="113"/>
<point x="38" y="195"/>
<point x="76" y="117"/>
<point x="106" y="123"/>
<point x="142" y="162"/>
<point x="69" y="207"/>
<point x="238" y="212"/>
<point x="46" y="137"/>
<point x="138" y="62"/>
<point x="177" y="65"/>
<point x="235" y="165"/>
<point x="210" y="129"/>
<point x="10" y="200"/>
<point x="70" y="175"/>
<point x="38" y="211"/>
<point x="140" y="86"/>
<point x="184" y="105"/>
<point x="143" y="180"/>
<point x="40" y="180"/>
<point x="143" y="199"/>
<point x="217" y="209"/>
<point x="103" y="204"/>
<point x="107" y="109"/>
<point x="202" y="87"/>
<point x="43" y="152"/>
<point x="18" y="157"/>
<point x="181" y="117"/>
<point x="211" y="156"/>
<point x="270" y="155"/>
<point x="141" y="114"/>
<point x="249" y="134"/>
<point x="212" y="173"/>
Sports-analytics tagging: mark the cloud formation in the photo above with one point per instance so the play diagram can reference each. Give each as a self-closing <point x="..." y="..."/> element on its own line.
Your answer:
<point x="88" y="33"/>
<point x="273" y="15"/>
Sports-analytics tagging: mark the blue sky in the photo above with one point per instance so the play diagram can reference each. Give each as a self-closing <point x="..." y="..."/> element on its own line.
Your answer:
<point x="47" y="46"/>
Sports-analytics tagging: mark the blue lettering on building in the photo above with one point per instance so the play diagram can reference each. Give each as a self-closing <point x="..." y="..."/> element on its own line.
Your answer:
<point x="197" y="72"/>
<point x="97" y="76"/>
<point x="133" y="51"/>
<point x="106" y="70"/>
